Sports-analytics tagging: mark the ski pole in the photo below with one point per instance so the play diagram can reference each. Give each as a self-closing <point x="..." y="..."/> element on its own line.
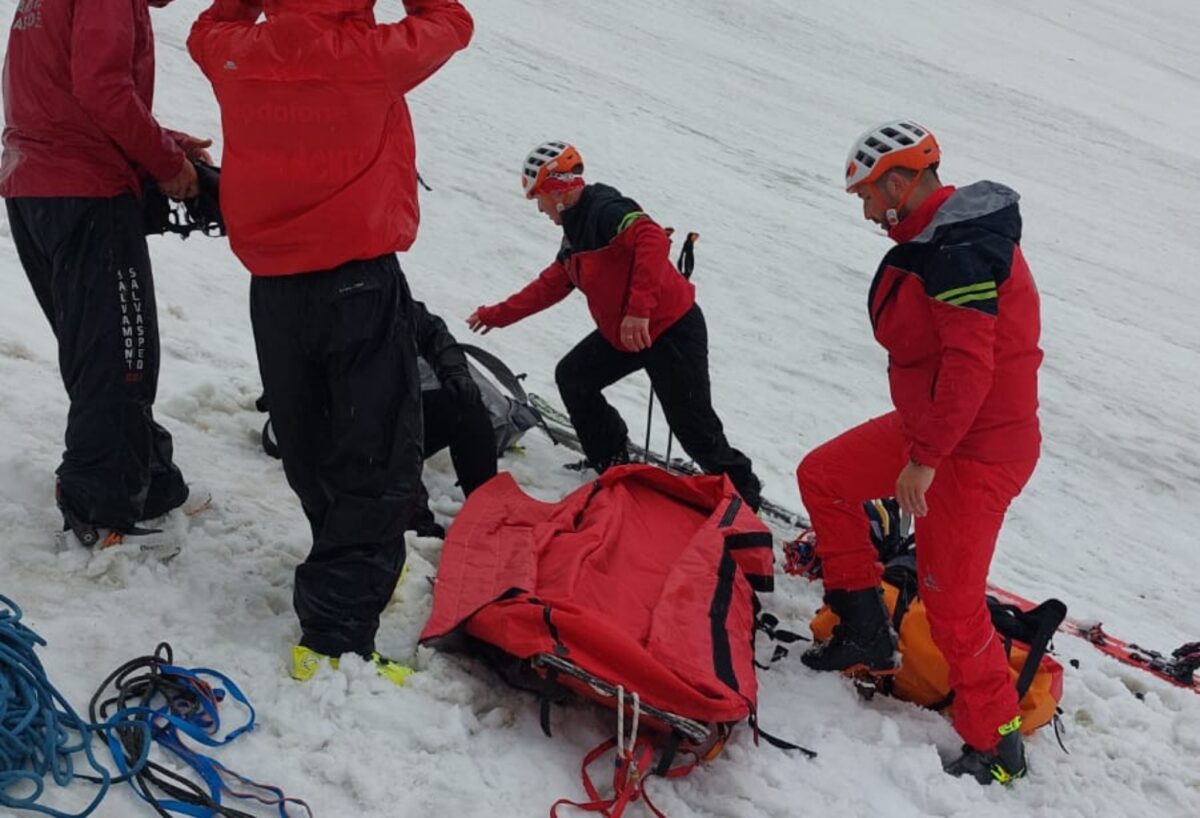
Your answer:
<point x="649" y="420"/>
<point x="685" y="264"/>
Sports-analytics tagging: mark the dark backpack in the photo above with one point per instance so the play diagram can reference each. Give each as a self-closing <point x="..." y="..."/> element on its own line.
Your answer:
<point x="512" y="414"/>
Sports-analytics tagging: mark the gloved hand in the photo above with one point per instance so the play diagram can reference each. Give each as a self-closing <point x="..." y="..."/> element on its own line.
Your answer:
<point x="462" y="388"/>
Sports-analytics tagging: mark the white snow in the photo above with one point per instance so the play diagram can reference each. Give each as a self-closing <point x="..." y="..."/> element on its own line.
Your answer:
<point x="732" y="119"/>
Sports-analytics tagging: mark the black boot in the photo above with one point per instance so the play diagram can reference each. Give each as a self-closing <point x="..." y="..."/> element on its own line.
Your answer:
<point x="863" y="639"/>
<point x="618" y="458"/>
<point x="1004" y="763"/>
<point x="424" y="524"/>
<point x="751" y="492"/>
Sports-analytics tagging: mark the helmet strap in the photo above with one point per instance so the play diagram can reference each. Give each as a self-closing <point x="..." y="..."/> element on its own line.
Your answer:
<point x="893" y="213"/>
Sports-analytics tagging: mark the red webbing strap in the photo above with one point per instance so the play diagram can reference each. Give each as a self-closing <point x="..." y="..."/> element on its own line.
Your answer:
<point x="629" y="776"/>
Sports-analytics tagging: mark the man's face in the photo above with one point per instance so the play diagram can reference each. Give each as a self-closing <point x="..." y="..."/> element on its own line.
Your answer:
<point x="548" y="203"/>
<point x="875" y="204"/>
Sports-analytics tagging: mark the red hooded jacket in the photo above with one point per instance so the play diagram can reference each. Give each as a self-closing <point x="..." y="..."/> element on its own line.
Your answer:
<point x="956" y="308"/>
<point x="319" y="163"/>
<point x="618" y="258"/>
<point x="78" y="90"/>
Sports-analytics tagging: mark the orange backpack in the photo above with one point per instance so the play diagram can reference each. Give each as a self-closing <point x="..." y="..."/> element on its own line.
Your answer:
<point x="924" y="676"/>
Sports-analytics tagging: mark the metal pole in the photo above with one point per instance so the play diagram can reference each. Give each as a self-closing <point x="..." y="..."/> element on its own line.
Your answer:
<point x="649" y="420"/>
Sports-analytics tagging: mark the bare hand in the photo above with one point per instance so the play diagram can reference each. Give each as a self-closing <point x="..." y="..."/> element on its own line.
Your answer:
<point x="199" y="152"/>
<point x="911" y="486"/>
<point x="477" y="324"/>
<point x="185" y="185"/>
<point x="635" y="333"/>
<point x="195" y="148"/>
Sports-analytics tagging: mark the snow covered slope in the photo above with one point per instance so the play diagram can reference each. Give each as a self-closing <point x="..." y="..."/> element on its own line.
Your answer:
<point x="732" y="119"/>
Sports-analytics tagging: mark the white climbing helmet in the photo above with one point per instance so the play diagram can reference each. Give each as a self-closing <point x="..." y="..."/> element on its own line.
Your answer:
<point x="897" y="144"/>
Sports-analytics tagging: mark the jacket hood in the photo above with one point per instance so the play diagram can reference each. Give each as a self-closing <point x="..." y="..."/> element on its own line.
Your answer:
<point x="593" y="222"/>
<point x="989" y="205"/>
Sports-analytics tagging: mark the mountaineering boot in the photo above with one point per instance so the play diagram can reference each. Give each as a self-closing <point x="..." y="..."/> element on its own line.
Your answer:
<point x="1004" y="763"/>
<point x="751" y="493"/>
<point x="394" y="672"/>
<point x="618" y="458"/>
<point x="306" y="662"/>
<point x="862" y="640"/>
<point x="197" y="501"/>
<point x="145" y="543"/>
<point x="424" y="524"/>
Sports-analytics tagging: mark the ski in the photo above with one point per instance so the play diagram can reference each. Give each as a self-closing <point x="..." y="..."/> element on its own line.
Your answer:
<point x="557" y="426"/>
<point x="1179" y="668"/>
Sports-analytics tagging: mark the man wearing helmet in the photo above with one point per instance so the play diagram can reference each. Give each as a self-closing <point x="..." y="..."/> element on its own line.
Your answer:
<point x="956" y="308"/>
<point x="645" y="313"/>
<point x="80" y="142"/>
<point x="319" y="189"/>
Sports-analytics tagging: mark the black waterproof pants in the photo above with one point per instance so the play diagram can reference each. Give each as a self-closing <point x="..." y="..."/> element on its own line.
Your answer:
<point x="90" y="269"/>
<point x="677" y="363"/>
<point x="338" y="361"/>
<point x="467" y="431"/>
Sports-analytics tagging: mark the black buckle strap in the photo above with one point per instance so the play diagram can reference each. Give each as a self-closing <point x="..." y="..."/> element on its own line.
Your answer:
<point x="775" y="741"/>
<point x="769" y="625"/>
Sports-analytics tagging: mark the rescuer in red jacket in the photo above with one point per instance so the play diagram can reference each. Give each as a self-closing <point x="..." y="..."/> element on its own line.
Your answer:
<point x="955" y="306"/>
<point x="645" y="313"/>
<point x="79" y="142"/>
<point x="319" y="193"/>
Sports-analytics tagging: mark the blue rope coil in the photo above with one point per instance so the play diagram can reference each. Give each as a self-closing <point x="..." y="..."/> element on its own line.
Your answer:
<point x="154" y="702"/>
<point x="40" y="734"/>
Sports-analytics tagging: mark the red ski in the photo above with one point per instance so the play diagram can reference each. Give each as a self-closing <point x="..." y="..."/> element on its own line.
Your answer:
<point x="1179" y="668"/>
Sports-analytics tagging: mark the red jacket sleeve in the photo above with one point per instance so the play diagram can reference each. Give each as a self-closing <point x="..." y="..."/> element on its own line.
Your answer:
<point x="550" y="287"/>
<point x="102" y="54"/>
<point x="213" y="22"/>
<point x="650" y="246"/>
<point x="964" y="379"/>
<point x="412" y="49"/>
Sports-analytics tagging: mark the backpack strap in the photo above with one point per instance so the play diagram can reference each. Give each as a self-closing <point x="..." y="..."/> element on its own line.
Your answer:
<point x="768" y="624"/>
<point x="775" y="741"/>
<point x="1035" y="627"/>
<point x="1050" y="615"/>
<point x="500" y="371"/>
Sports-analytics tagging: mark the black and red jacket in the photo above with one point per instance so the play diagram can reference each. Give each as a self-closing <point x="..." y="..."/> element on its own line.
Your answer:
<point x="956" y="308"/>
<point x="618" y="257"/>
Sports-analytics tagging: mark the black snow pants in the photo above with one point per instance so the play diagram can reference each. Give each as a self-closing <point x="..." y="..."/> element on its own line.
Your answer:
<point x="338" y="359"/>
<point x="90" y="269"/>
<point x="677" y="363"/>
<point x="467" y="431"/>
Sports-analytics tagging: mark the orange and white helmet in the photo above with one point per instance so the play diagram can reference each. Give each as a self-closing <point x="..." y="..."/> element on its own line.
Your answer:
<point x="550" y="167"/>
<point x="898" y="144"/>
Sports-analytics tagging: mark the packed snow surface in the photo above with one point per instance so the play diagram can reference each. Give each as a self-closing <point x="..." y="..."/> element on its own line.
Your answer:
<point x="731" y="119"/>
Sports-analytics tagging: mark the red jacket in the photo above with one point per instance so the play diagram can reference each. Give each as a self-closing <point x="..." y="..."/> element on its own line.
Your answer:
<point x="618" y="258"/>
<point x="78" y="89"/>
<point x="319" y="163"/>
<point x="956" y="308"/>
